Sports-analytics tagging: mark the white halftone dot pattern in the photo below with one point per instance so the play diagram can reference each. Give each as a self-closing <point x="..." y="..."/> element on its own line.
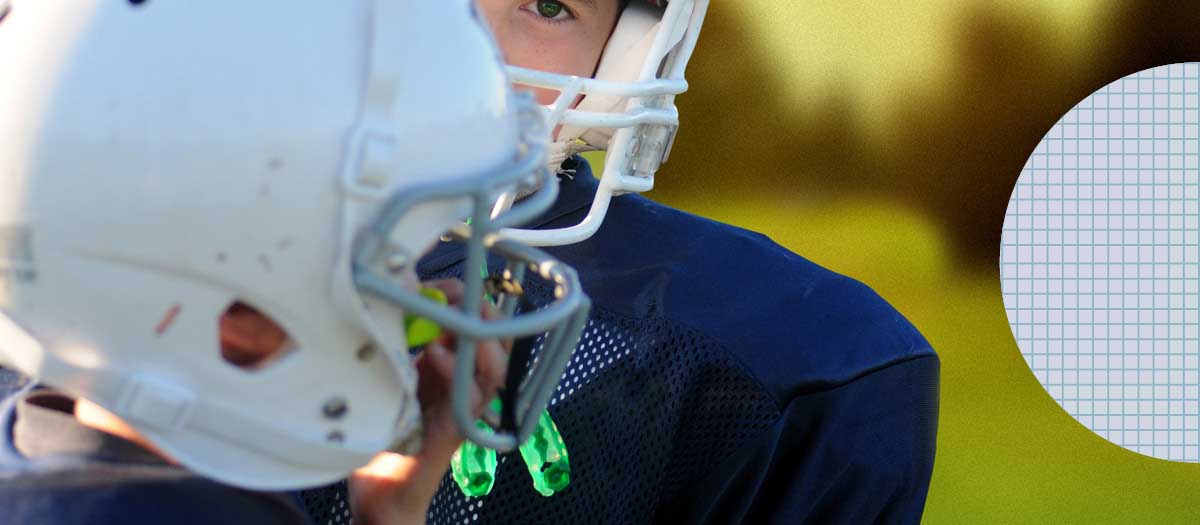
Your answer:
<point x="1099" y="265"/>
<point x="599" y="347"/>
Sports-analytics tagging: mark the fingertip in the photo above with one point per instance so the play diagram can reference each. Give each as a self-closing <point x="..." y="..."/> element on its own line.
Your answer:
<point x="453" y="288"/>
<point x="491" y="367"/>
<point x="446" y="339"/>
<point x="441" y="360"/>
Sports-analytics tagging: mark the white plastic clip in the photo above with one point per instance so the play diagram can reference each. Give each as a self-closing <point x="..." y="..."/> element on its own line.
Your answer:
<point x="156" y="404"/>
<point x="371" y="158"/>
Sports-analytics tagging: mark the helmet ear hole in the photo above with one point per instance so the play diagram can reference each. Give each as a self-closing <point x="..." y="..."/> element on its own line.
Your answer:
<point x="250" y="339"/>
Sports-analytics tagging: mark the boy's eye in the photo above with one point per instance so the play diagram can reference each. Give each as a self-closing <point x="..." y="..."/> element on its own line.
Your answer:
<point x="551" y="9"/>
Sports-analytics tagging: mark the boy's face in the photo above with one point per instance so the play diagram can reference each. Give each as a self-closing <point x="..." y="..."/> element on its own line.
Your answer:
<point x="559" y="36"/>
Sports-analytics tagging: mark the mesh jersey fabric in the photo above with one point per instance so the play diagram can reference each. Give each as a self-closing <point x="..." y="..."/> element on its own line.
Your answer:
<point x="720" y="379"/>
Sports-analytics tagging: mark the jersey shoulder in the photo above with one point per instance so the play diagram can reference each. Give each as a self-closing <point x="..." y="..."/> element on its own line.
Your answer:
<point x="793" y="324"/>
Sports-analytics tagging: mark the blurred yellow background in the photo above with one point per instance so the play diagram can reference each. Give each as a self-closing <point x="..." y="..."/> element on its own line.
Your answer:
<point x="882" y="140"/>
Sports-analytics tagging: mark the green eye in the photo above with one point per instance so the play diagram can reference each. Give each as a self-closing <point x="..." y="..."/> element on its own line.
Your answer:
<point x="549" y="8"/>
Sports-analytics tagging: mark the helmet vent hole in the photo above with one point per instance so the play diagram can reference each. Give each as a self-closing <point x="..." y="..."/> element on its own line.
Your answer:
<point x="250" y="339"/>
<point x="137" y="3"/>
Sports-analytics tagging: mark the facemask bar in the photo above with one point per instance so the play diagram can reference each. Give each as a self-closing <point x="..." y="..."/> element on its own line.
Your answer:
<point x="644" y="131"/>
<point x="562" y="320"/>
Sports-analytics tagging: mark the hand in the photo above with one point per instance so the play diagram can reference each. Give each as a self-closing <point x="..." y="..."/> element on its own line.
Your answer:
<point x="398" y="489"/>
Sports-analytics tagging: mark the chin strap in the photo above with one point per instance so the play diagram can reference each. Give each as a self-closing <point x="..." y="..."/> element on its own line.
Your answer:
<point x="562" y="150"/>
<point x="624" y="57"/>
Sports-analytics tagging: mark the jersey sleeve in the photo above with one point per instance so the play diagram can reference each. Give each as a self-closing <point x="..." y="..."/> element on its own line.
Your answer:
<point x="859" y="452"/>
<point x="135" y="495"/>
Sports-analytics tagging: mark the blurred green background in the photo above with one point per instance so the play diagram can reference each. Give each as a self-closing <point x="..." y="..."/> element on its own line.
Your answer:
<point x="882" y="140"/>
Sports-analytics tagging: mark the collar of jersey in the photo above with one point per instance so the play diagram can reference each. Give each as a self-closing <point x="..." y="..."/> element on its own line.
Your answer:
<point x="576" y="189"/>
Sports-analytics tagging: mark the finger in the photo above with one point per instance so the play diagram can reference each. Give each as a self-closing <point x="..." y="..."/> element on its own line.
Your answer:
<point x="441" y="434"/>
<point x="387" y="466"/>
<point x="429" y="378"/>
<point x="491" y="366"/>
<point x="440" y="361"/>
<point x="492" y="313"/>
<point x="453" y="288"/>
<point x="394" y="489"/>
<point x="491" y="362"/>
<point x="443" y="363"/>
<point x="450" y="340"/>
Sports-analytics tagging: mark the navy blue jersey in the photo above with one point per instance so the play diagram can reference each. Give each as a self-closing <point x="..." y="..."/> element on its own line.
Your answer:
<point x="720" y="379"/>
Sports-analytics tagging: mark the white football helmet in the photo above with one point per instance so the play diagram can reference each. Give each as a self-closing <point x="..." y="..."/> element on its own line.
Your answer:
<point x="628" y="108"/>
<point x="161" y="161"/>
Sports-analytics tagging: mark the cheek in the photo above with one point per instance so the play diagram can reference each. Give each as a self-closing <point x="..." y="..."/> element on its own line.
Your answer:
<point x="548" y="57"/>
<point x="587" y="56"/>
<point x="546" y="54"/>
<point x="544" y="96"/>
<point x="570" y="49"/>
<point x="574" y="60"/>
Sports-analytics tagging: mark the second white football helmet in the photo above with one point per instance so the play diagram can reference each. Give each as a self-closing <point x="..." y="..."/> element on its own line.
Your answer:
<point x="628" y="107"/>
